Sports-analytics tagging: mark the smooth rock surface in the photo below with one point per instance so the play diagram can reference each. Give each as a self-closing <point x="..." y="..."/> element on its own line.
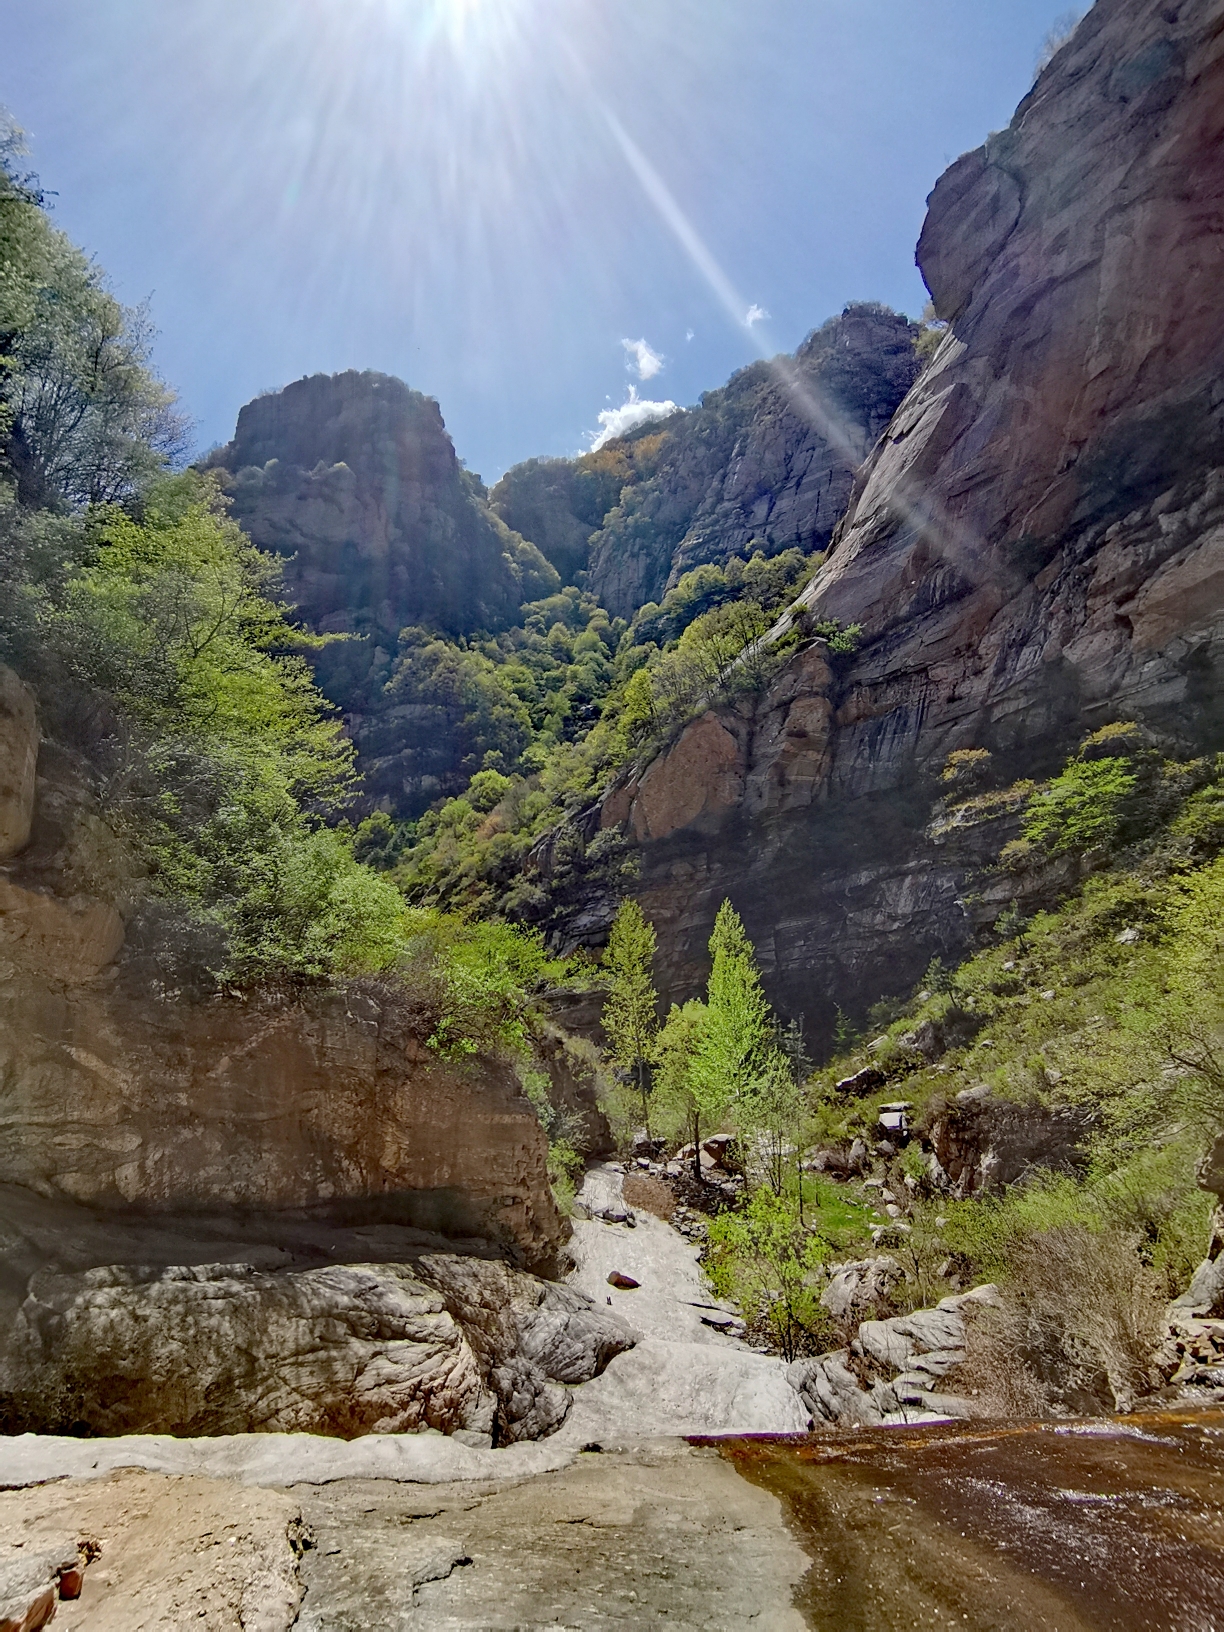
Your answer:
<point x="174" y="1552"/>
<point x="664" y="1534"/>
<point x="685" y="1376"/>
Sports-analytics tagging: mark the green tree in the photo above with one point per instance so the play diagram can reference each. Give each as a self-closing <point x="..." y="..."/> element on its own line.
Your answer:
<point x="734" y="1061"/>
<point x="630" y="1015"/>
<point x="83" y="420"/>
<point x="676" y="1099"/>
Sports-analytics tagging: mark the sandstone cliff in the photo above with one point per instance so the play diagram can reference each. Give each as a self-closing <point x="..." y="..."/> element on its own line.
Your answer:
<point x="1034" y="548"/>
<point x="121" y="1089"/>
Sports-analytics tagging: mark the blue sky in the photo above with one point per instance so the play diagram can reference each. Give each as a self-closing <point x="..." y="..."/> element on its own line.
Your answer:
<point x="490" y="197"/>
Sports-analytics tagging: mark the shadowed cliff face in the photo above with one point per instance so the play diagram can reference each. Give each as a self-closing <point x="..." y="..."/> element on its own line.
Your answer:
<point x="353" y="478"/>
<point x="1035" y="547"/>
<point x="747" y="469"/>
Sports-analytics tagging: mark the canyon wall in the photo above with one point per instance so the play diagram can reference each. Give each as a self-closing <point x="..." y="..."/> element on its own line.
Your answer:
<point x="122" y="1089"/>
<point x="354" y="480"/>
<point x="1034" y="548"/>
<point x="753" y="467"/>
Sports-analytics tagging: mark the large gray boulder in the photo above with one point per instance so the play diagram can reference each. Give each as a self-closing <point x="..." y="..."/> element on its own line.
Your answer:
<point x="919" y="1349"/>
<point x="452" y="1344"/>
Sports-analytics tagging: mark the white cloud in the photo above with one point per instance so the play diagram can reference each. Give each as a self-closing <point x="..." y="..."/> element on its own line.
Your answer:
<point x="756" y="314"/>
<point x="644" y="358"/>
<point x="688" y="334"/>
<point x="614" y="422"/>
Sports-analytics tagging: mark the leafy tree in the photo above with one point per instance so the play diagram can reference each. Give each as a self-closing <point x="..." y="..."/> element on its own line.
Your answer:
<point x="676" y="1099"/>
<point x="1083" y="807"/>
<point x="85" y="421"/>
<point x="630" y="1015"/>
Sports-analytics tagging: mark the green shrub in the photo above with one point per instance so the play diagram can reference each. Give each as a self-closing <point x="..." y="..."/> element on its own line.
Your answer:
<point x="1082" y="808"/>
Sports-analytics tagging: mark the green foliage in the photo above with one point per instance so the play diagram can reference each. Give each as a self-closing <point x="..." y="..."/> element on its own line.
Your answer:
<point x="676" y="1104"/>
<point x="769" y="1256"/>
<point x="84" y="419"/>
<point x="630" y="1016"/>
<point x="565" y="1158"/>
<point x="1082" y="808"/>
<point x="758" y="1257"/>
<point x="734" y="1054"/>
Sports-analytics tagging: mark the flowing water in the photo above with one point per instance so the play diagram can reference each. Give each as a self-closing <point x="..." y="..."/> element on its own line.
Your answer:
<point x="1114" y="1524"/>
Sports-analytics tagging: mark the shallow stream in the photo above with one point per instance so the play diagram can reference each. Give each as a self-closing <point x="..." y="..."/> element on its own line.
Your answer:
<point x="1115" y="1524"/>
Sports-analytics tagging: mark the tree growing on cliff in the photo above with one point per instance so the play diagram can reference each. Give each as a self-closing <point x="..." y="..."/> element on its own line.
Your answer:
<point x="630" y="1015"/>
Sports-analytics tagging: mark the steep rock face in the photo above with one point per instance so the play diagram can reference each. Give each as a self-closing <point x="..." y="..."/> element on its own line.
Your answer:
<point x="765" y="462"/>
<point x="113" y="1097"/>
<point x="120" y="1088"/>
<point x="1033" y="549"/>
<point x="353" y="478"/>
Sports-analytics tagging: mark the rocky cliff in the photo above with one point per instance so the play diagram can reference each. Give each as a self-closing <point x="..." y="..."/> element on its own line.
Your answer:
<point x="753" y="467"/>
<point x="122" y="1090"/>
<point x="353" y="479"/>
<point x="1035" y="547"/>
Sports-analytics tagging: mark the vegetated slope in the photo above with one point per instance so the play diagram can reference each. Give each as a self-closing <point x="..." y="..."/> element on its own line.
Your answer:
<point x="458" y="660"/>
<point x="765" y="462"/>
<point x="1034" y="548"/>
<point x="1046" y="1115"/>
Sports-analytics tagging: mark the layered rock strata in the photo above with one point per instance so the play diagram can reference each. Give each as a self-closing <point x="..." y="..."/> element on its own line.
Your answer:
<point x="1033" y="549"/>
<point x="449" y="1343"/>
<point x="122" y="1088"/>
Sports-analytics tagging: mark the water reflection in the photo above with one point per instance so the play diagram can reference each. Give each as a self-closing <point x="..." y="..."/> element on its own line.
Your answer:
<point x="1116" y="1524"/>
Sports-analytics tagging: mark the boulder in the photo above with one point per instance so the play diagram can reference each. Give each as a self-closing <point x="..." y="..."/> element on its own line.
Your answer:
<point x="452" y="1344"/>
<point x="919" y="1349"/>
<point x="832" y="1393"/>
<point x="858" y="1286"/>
<point x="983" y="1143"/>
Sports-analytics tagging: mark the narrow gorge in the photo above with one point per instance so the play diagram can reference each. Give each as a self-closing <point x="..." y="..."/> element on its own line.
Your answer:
<point x="640" y="1044"/>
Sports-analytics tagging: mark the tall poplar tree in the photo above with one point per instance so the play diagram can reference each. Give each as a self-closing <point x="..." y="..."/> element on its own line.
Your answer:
<point x="630" y="1015"/>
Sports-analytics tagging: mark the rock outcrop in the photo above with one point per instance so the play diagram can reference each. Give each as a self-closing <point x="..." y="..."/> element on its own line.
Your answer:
<point x="766" y="462"/>
<point x="354" y="480"/>
<point x="140" y="1115"/>
<point x="123" y="1087"/>
<point x="907" y="1356"/>
<point x="449" y="1343"/>
<point x="1032" y="550"/>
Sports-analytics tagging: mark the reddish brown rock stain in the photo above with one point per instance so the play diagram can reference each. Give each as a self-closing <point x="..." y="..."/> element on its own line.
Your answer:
<point x="1113" y="1526"/>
